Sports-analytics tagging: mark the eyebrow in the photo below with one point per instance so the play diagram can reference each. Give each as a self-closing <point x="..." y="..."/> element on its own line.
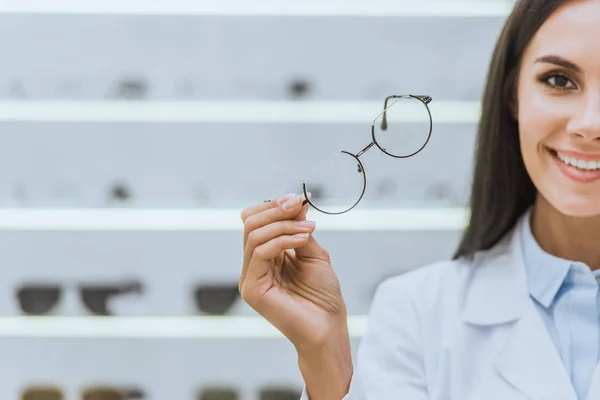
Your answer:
<point x="556" y="60"/>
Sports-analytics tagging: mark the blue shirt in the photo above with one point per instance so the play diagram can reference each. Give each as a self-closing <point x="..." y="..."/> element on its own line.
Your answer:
<point x="567" y="297"/>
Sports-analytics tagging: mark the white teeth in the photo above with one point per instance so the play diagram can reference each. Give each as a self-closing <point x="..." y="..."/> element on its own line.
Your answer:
<point x="586" y="165"/>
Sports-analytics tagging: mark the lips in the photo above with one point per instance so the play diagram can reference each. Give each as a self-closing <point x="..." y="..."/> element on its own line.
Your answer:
<point x="578" y="155"/>
<point x="573" y="173"/>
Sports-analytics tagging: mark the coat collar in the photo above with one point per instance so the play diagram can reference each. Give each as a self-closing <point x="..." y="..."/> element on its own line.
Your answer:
<point x="493" y="274"/>
<point x="497" y="293"/>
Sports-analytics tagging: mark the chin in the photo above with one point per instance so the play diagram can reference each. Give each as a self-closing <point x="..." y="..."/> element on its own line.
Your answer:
<point x="576" y="205"/>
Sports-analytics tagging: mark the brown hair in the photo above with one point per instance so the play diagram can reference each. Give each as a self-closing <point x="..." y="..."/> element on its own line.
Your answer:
<point x="501" y="189"/>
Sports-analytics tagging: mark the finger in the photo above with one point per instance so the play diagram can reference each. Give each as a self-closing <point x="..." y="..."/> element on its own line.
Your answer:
<point x="269" y="232"/>
<point x="312" y="248"/>
<point x="247" y="212"/>
<point x="288" y="209"/>
<point x="303" y="212"/>
<point x="269" y="215"/>
<point x="263" y="255"/>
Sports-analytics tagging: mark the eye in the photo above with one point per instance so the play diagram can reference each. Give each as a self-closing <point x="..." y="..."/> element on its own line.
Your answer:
<point x="558" y="81"/>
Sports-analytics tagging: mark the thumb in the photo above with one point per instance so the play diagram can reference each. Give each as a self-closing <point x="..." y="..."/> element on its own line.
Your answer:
<point x="301" y="216"/>
<point x="312" y="249"/>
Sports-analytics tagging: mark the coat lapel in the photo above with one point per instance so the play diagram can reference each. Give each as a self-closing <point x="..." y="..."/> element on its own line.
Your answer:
<point x="531" y="363"/>
<point x="498" y="295"/>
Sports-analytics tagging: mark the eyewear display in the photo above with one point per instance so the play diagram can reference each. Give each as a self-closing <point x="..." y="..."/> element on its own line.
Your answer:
<point x="41" y="299"/>
<point x="263" y="394"/>
<point x="100" y="393"/>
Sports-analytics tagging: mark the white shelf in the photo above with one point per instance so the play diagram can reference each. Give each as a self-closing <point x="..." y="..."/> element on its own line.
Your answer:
<point x="361" y="112"/>
<point x="201" y="327"/>
<point x="337" y="8"/>
<point x="109" y="219"/>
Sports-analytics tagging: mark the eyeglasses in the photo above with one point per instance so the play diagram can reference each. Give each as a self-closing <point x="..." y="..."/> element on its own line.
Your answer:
<point x="402" y="130"/>
<point x="100" y="393"/>
<point x="216" y="299"/>
<point x="41" y="299"/>
<point x="267" y="393"/>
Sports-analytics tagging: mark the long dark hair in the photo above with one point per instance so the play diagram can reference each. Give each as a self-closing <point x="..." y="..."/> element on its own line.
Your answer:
<point x="501" y="189"/>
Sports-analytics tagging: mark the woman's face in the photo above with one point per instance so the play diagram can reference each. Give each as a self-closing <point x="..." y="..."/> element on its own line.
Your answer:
<point x="558" y="108"/>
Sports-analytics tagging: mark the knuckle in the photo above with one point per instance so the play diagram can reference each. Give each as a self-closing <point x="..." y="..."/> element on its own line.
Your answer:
<point x="252" y="237"/>
<point x="260" y="252"/>
<point x="249" y="223"/>
<point x="247" y="296"/>
<point x="244" y="293"/>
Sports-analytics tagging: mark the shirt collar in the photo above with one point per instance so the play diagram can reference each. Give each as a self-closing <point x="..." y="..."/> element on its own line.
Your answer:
<point x="545" y="272"/>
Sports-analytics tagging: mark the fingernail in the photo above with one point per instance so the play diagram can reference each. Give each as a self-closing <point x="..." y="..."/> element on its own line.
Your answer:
<point x="306" y="224"/>
<point x="284" y="198"/>
<point x="301" y="235"/>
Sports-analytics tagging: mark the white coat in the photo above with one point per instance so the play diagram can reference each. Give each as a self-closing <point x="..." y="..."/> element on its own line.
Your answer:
<point x="461" y="330"/>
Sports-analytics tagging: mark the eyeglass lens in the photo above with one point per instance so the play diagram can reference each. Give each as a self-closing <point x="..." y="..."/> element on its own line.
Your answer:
<point x="279" y="394"/>
<point x="38" y="299"/>
<point x="403" y="128"/>
<point x="218" y="394"/>
<point x="112" y="394"/>
<point x="216" y="299"/>
<point x="96" y="297"/>
<point x="42" y="394"/>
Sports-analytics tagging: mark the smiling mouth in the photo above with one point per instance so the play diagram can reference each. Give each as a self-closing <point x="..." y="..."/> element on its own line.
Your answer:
<point x="577" y="170"/>
<point x="581" y="165"/>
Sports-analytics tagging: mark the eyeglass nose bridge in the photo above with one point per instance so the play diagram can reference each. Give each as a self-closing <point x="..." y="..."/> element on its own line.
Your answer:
<point x="363" y="151"/>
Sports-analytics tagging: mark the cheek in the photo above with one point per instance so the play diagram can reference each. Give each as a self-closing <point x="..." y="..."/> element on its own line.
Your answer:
<point x="537" y="127"/>
<point x="540" y="118"/>
<point x="543" y="125"/>
<point x="541" y="121"/>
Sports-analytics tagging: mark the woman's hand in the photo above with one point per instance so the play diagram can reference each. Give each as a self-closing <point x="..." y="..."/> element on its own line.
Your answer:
<point x="287" y="276"/>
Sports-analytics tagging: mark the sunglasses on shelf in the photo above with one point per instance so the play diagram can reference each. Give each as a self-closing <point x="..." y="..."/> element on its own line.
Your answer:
<point x="100" y="393"/>
<point x="41" y="299"/>
<point x="54" y="393"/>
<point x="264" y="394"/>
<point x="279" y="394"/>
<point x="216" y="299"/>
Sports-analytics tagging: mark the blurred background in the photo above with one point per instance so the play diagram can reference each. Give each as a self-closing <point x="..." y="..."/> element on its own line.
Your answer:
<point x="133" y="134"/>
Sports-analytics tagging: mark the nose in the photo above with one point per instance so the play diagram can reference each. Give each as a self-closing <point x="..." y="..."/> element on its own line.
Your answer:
<point x="585" y="123"/>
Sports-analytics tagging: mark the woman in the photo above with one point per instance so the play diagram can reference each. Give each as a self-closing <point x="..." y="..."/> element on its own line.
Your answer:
<point x="514" y="314"/>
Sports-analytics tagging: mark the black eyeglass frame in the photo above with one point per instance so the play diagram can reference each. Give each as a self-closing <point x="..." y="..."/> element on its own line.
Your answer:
<point x="422" y="98"/>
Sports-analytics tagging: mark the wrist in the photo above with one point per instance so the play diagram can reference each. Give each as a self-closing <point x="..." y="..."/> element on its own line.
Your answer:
<point x="327" y="370"/>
